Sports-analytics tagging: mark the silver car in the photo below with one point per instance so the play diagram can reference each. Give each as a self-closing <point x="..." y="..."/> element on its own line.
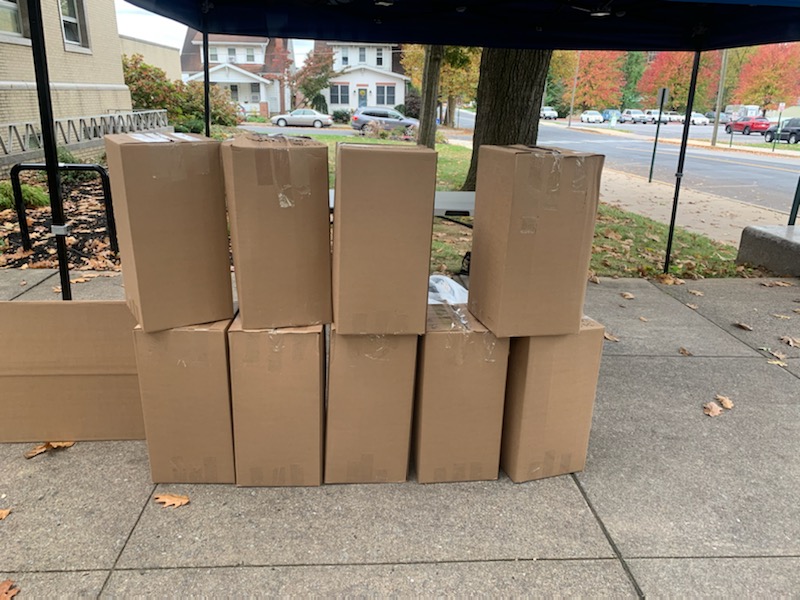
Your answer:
<point x="303" y="117"/>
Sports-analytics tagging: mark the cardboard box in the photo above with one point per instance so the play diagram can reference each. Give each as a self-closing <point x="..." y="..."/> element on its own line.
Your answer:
<point x="68" y="372"/>
<point x="382" y="227"/>
<point x="458" y="416"/>
<point x="277" y="193"/>
<point x="278" y="394"/>
<point x="183" y="376"/>
<point x="370" y="399"/>
<point x="549" y="400"/>
<point x="535" y="210"/>
<point x="169" y="204"/>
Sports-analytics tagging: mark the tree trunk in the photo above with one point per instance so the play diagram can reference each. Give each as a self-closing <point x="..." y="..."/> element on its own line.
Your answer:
<point x="451" y="111"/>
<point x="430" y="94"/>
<point x="510" y="92"/>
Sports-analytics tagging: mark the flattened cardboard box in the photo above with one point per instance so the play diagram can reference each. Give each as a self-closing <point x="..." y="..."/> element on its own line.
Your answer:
<point x="383" y="215"/>
<point x="169" y="204"/>
<point x="278" y="395"/>
<point x="458" y="414"/>
<point x="535" y="210"/>
<point x="550" y="394"/>
<point x="68" y="372"/>
<point x="277" y="194"/>
<point x="370" y="400"/>
<point x="183" y="376"/>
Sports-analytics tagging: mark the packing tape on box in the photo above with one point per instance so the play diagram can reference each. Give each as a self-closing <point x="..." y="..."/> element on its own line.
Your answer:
<point x="289" y="175"/>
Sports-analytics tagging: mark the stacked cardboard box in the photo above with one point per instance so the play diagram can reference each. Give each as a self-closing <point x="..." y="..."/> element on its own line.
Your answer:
<point x="535" y="210"/>
<point x="383" y="219"/>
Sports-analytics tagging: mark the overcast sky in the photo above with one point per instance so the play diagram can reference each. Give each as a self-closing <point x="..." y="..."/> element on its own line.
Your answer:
<point x="133" y="21"/>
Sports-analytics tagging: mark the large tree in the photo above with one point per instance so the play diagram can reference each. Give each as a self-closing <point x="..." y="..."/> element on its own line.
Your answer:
<point x="314" y="77"/>
<point x="559" y="79"/>
<point x="600" y="80"/>
<point x="510" y="91"/>
<point x="426" y="136"/>
<point x="632" y="69"/>
<point x="770" y="76"/>
<point x="673" y="70"/>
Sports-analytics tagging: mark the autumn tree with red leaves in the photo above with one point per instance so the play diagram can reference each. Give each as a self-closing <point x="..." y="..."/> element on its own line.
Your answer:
<point x="770" y="76"/>
<point x="673" y="70"/>
<point x="600" y="80"/>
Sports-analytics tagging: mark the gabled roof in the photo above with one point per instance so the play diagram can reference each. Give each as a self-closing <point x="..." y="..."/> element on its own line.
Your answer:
<point x="350" y="69"/>
<point x="246" y="74"/>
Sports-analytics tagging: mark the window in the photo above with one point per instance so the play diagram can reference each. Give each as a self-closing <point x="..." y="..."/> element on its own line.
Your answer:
<point x="251" y="55"/>
<point x="385" y="94"/>
<point x="73" y="22"/>
<point x="11" y="17"/>
<point x="345" y="57"/>
<point x="255" y="92"/>
<point x="362" y="55"/>
<point x="340" y="94"/>
<point x="213" y="56"/>
<point x="234" y="92"/>
<point x="232" y="55"/>
<point x="379" y="57"/>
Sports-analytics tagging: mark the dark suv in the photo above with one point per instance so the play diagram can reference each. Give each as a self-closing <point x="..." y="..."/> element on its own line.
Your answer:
<point x="388" y="118"/>
<point x="790" y="132"/>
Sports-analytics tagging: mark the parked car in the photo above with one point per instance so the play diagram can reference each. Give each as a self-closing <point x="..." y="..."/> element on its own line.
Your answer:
<point x="632" y="115"/>
<point x="699" y="119"/>
<point x="748" y="124"/>
<point x="548" y="112"/>
<point x="723" y="117"/>
<point x="675" y="117"/>
<point x="789" y="131"/>
<point x="654" y="115"/>
<point x="591" y="116"/>
<point x="303" y="117"/>
<point x="385" y="117"/>
<point x="610" y="113"/>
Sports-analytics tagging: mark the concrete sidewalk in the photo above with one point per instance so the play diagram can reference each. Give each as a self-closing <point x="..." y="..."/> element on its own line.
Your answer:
<point x="672" y="502"/>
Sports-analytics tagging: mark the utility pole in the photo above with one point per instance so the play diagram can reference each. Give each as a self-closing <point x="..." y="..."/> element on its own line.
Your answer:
<point x="574" y="87"/>
<point x="720" y="94"/>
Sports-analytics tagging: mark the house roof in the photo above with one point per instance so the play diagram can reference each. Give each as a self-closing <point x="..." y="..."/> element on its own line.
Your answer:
<point x="224" y="38"/>
<point x="236" y="68"/>
<point x="385" y="72"/>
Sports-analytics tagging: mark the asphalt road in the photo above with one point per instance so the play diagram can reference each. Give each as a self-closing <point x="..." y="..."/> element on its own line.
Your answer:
<point x="768" y="181"/>
<point x="675" y="131"/>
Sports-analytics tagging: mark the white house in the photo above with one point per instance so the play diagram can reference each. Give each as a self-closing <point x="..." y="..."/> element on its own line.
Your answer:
<point x="368" y="76"/>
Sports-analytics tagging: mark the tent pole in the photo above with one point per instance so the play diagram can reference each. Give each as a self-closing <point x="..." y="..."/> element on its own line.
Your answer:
<point x="206" y="83"/>
<point x="682" y="156"/>
<point x="59" y="228"/>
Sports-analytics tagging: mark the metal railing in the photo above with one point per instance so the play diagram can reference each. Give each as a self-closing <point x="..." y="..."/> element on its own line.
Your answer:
<point x="16" y="138"/>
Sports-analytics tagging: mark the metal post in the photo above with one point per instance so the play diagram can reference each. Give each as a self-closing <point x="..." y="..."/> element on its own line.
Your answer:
<point x="777" y="131"/>
<point x="795" y="206"/>
<point x="720" y="93"/>
<point x="19" y="205"/>
<point x="574" y="87"/>
<point x="662" y="98"/>
<point x="49" y="141"/>
<point x="682" y="156"/>
<point x="206" y="82"/>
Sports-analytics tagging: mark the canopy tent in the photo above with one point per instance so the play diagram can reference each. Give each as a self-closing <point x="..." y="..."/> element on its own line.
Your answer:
<point x="560" y="24"/>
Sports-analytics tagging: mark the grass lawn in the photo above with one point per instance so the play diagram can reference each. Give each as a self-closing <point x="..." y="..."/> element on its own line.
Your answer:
<point x="778" y="146"/>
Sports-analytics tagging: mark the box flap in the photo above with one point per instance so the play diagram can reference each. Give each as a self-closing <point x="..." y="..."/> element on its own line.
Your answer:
<point x="157" y="137"/>
<point x="443" y="318"/>
<point x="252" y="140"/>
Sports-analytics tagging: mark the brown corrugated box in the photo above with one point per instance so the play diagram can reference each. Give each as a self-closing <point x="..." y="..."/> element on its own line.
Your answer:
<point x="68" y="372"/>
<point x="278" y="393"/>
<point x="535" y="210"/>
<point x="183" y="376"/>
<point x="549" y="400"/>
<point x="277" y="193"/>
<point x="169" y="204"/>
<point x="370" y="399"/>
<point x="458" y="416"/>
<point x="383" y="220"/>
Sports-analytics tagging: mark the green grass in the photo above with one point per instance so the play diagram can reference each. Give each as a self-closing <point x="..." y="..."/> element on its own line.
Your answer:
<point x="778" y="146"/>
<point x="31" y="195"/>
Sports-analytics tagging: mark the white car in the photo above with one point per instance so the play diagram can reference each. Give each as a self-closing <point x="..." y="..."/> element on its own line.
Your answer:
<point x="699" y="119"/>
<point x="303" y="117"/>
<point x="548" y="112"/>
<point x="591" y="116"/>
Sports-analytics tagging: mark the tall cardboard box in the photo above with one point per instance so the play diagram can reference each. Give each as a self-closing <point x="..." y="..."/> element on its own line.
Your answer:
<point x="278" y="395"/>
<point x="549" y="401"/>
<point x="461" y="380"/>
<point x="370" y="399"/>
<point x="68" y="372"/>
<point x="277" y="193"/>
<point x="169" y="204"/>
<point x="383" y="219"/>
<point x="535" y="210"/>
<point x="183" y="376"/>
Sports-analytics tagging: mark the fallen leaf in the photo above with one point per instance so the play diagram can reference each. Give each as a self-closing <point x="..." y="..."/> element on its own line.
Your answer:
<point x="778" y="316"/>
<point x="780" y="363"/>
<point x="610" y="338"/>
<point x="712" y="409"/>
<point x="668" y="279"/>
<point x="776" y="284"/>
<point x="724" y="401"/>
<point x="8" y="589"/>
<point x="685" y="352"/>
<point x="79" y="280"/>
<point x="796" y="310"/>
<point x="47" y="447"/>
<point x="744" y="326"/>
<point x="792" y="342"/>
<point x="696" y="293"/>
<point x="594" y="279"/>
<point x="692" y="306"/>
<point x="4" y="513"/>
<point x="23" y="283"/>
<point x="778" y="355"/>
<point x="172" y="500"/>
<point x="627" y="295"/>
<point x="644" y="319"/>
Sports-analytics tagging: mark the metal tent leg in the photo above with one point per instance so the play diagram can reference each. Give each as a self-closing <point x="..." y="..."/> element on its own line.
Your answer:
<point x="206" y="82"/>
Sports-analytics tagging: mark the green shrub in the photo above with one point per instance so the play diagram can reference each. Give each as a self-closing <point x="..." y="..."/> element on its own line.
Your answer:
<point x="401" y="108"/>
<point x="191" y="126"/>
<point x="342" y="116"/>
<point x="256" y="119"/>
<point x="32" y="196"/>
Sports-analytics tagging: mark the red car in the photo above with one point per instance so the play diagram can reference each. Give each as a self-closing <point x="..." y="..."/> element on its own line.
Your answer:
<point x="748" y="124"/>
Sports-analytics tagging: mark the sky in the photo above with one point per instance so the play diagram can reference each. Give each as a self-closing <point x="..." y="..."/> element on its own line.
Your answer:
<point x="133" y="21"/>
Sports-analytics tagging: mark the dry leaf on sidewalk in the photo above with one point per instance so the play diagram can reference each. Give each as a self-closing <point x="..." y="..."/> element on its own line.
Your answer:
<point x="172" y="500"/>
<point x="685" y="352"/>
<point x="780" y="363"/>
<point x="668" y="279"/>
<point x="712" y="409"/>
<point x="724" y="401"/>
<point x="778" y="316"/>
<point x="696" y="293"/>
<point x="776" y="284"/>
<point x="692" y="306"/>
<point x="627" y="295"/>
<point x="792" y="342"/>
<point x="8" y="589"/>
<point x="610" y="337"/>
<point x="796" y="310"/>
<point x="744" y="326"/>
<point x="778" y="355"/>
<point x="47" y="447"/>
<point x="4" y="513"/>
<point x="644" y="319"/>
<point x="593" y="278"/>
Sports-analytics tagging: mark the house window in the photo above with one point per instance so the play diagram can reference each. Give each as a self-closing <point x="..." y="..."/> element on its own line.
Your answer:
<point x="340" y="94"/>
<point x="255" y="92"/>
<point x="345" y="57"/>
<point x="379" y="57"/>
<point x="362" y="55"/>
<point x="251" y="55"/>
<point x="234" y="92"/>
<point x="232" y="55"/>
<point x="12" y="19"/>
<point x="385" y="94"/>
<point x="212" y="54"/>
<point x="73" y="22"/>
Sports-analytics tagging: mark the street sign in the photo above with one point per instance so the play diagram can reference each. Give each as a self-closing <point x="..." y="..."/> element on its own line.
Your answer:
<point x="663" y="96"/>
<point x="781" y="106"/>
